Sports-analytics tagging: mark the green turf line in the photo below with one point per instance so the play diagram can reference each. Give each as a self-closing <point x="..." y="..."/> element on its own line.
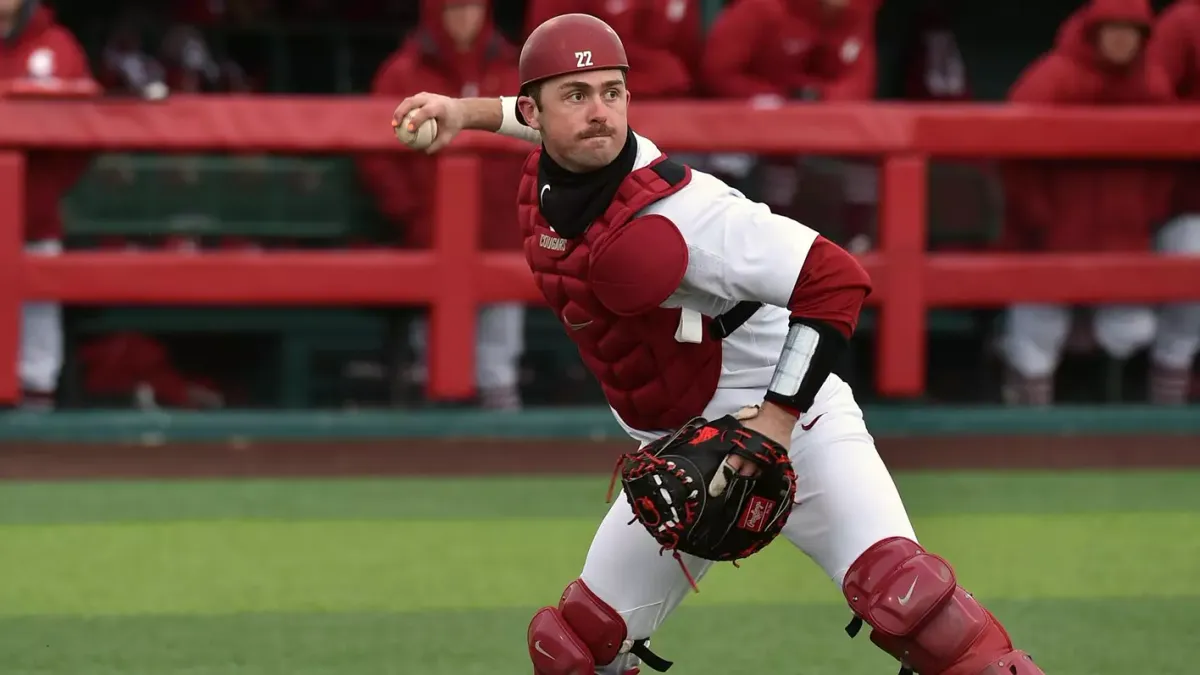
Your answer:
<point x="214" y="567"/>
<point x="427" y="498"/>
<point x="1068" y="637"/>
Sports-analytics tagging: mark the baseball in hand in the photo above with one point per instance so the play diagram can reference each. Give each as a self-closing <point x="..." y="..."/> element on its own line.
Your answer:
<point x="421" y="138"/>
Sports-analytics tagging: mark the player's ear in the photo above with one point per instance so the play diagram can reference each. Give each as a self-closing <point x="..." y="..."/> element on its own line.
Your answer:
<point x="529" y="111"/>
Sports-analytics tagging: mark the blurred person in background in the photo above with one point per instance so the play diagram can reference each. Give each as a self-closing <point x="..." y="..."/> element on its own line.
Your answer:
<point x="193" y="68"/>
<point x="934" y="67"/>
<point x="456" y="51"/>
<point x="35" y="49"/>
<point x="1175" y="48"/>
<point x="773" y="51"/>
<point x="1099" y="58"/>
<point x="126" y="67"/>
<point x="182" y="60"/>
<point x="662" y="38"/>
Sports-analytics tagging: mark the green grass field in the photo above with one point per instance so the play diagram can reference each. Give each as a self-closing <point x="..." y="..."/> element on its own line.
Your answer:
<point x="1096" y="574"/>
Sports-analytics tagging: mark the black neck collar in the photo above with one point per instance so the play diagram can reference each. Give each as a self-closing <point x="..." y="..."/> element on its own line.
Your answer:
<point x="571" y="201"/>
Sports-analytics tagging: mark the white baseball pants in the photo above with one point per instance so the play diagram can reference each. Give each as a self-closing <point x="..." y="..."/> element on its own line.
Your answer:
<point x="499" y="344"/>
<point x="846" y="501"/>
<point x="1034" y="334"/>
<point x="41" y="357"/>
<point x="1178" y="337"/>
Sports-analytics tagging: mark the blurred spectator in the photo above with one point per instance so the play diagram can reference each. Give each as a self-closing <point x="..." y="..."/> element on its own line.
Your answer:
<point x="1175" y="48"/>
<point x="770" y="51"/>
<point x="773" y="51"/>
<point x="34" y="48"/>
<point x="184" y="63"/>
<point x="126" y="67"/>
<point x="456" y="51"/>
<point x="191" y="66"/>
<point x="662" y="39"/>
<point x="1098" y="59"/>
<point x="934" y="67"/>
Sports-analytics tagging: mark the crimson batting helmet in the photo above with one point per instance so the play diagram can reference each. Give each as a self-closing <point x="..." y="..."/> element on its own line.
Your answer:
<point x="570" y="43"/>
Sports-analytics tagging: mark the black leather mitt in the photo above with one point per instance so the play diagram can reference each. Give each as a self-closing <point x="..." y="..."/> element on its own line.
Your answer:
<point x="669" y="483"/>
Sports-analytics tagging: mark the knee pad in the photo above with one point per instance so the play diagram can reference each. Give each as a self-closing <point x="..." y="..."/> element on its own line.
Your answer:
<point x="921" y="616"/>
<point x="582" y="634"/>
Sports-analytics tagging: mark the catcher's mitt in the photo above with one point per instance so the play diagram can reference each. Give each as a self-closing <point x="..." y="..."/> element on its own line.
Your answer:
<point x="670" y="485"/>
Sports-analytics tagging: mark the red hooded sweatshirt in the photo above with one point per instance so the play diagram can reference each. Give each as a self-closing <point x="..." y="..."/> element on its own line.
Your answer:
<point x="783" y="47"/>
<point x="662" y="39"/>
<point x="1175" y="48"/>
<point x="402" y="182"/>
<point x="39" y="48"/>
<point x="1087" y="205"/>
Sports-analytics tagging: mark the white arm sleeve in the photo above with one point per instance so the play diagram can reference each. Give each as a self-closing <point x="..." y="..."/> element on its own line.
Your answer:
<point x="511" y="126"/>
<point x="737" y="249"/>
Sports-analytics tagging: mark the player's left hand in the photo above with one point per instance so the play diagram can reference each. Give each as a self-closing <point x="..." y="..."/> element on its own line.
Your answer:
<point x="769" y="420"/>
<point x="665" y="484"/>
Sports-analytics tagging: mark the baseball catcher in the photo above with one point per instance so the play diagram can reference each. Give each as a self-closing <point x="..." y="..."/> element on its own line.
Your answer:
<point x="713" y="327"/>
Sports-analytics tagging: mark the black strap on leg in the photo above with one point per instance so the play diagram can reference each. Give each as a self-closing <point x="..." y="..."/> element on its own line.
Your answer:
<point x="855" y="626"/>
<point x="641" y="650"/>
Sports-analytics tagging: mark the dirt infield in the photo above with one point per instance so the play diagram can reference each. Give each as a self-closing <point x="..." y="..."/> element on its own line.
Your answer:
<point x="411" y="457"/>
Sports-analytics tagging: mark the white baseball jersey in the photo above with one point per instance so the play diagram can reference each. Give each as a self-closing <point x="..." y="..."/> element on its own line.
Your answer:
<point x="737" y="250"/>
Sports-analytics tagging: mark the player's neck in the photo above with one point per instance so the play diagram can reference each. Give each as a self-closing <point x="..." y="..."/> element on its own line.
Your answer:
<point x="576" y="199"/>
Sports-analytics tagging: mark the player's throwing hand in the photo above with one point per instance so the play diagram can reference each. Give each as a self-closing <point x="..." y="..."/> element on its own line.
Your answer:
<point x="448" y="112"/>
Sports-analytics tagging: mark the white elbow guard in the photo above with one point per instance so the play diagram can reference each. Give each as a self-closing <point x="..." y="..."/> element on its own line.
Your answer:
<point x="510" y="124"/>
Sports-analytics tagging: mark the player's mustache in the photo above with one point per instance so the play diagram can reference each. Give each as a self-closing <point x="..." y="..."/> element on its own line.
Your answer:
<point x="598" y="132"/>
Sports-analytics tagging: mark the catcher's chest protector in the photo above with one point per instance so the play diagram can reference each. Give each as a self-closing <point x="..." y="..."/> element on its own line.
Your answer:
<point x="650" y="379"/>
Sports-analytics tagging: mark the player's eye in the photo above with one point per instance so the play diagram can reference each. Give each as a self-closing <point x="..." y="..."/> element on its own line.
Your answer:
<point x="575" y="96"/>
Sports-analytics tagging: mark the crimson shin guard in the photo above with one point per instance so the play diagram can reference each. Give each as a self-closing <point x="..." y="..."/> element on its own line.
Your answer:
<point x="921" y="616"/>
<point x="581" y="634"/>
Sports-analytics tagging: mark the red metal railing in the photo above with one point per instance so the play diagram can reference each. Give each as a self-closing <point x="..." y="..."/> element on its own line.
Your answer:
<point x="454" y="277"/>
